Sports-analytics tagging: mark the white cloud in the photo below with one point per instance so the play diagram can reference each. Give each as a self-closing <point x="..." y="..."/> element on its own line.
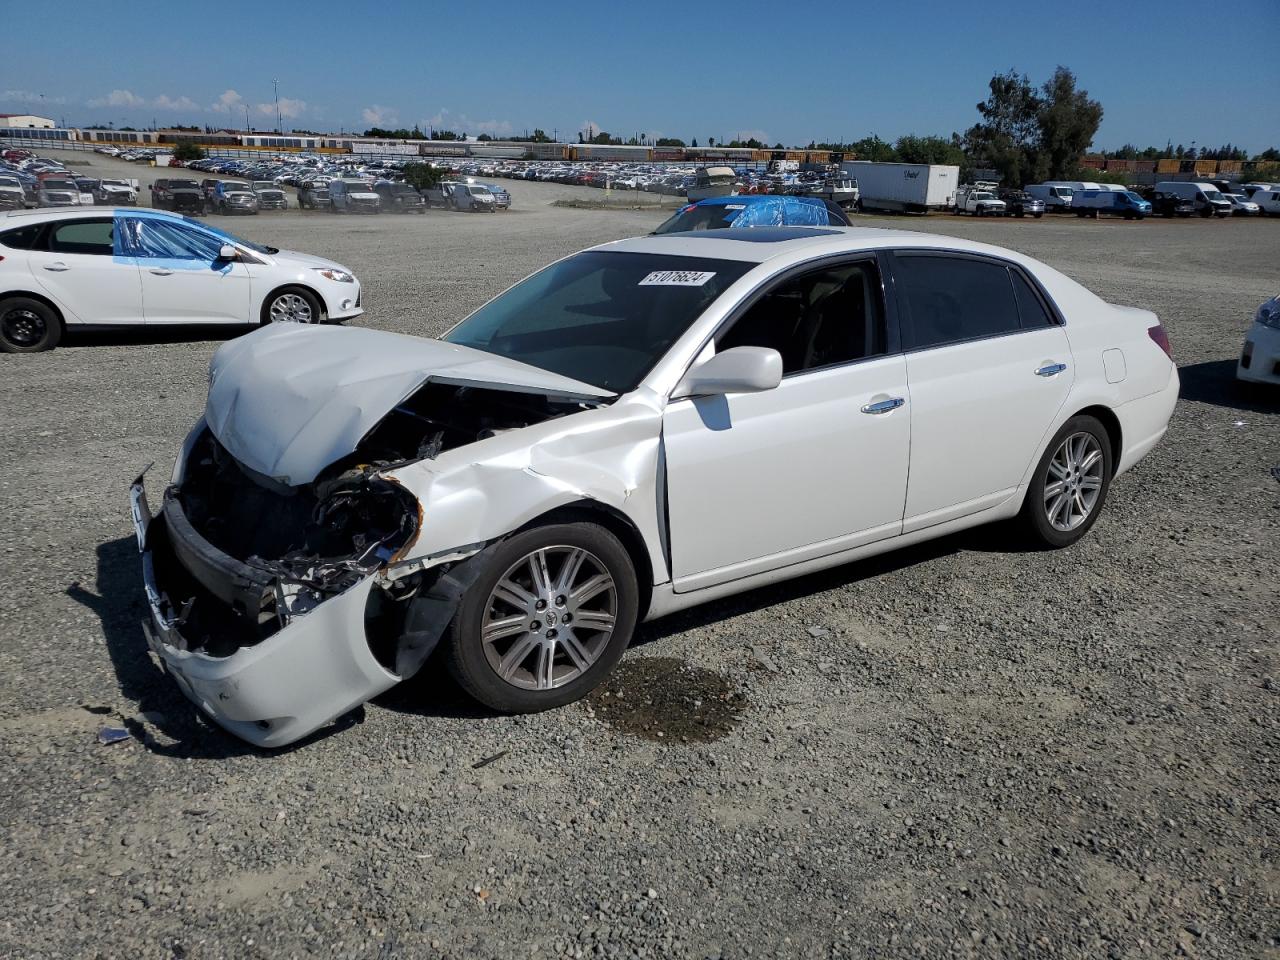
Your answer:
<point x="378" y="116"/>
<point x="118" y="98"/>
<point x="28" y="97"/>
<point x="289" y="109"/>
<point x="461" y="123"/>
<point x="229" y="100"/>
<point x="165" y="102"/>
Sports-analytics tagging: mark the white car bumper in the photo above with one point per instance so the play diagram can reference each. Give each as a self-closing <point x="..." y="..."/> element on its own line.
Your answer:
<point x="342" y="300"/>
<point x="300" y="678"/>
<point x="1260" y="358"/>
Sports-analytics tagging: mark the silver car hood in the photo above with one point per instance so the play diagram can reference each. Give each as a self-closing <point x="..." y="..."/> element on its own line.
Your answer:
<point x="290" y="399"/>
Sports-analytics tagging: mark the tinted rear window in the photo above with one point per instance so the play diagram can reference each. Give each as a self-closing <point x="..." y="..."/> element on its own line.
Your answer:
<point x="1030" y="309"/>
<point x="23" y="238"/>
<point x="950" y="299"/>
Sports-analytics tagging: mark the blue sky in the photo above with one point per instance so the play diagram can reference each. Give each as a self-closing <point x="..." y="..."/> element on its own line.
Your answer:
<point x="791" y="72"/>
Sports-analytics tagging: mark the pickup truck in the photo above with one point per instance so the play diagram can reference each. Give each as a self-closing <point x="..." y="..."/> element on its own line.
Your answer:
<point x="981" y="203"/>
<point x="175" y="195"/>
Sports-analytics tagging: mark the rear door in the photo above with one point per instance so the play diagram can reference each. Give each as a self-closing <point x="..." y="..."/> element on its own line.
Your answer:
<point x="989" y="368"/>
<point x="81" y="264"/>
<point x="183" y="281"/>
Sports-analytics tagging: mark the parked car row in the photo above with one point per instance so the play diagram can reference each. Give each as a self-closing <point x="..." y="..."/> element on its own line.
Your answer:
<point x="30" y="181"/>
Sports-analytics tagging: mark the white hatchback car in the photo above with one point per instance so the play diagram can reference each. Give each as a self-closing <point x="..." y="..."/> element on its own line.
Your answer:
<point x="636" y="429"/>
<point x="128" y="267"/>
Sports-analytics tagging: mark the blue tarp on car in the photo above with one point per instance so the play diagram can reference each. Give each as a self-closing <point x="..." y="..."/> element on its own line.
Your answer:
<point x="766" y="210"/>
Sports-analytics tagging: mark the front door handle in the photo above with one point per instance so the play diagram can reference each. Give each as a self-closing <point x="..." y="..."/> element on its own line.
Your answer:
<point x="56" y="267"/>
<point x="884" y="406"/>
<point x="1051" y="369"/>
<point x="162" y="272"/>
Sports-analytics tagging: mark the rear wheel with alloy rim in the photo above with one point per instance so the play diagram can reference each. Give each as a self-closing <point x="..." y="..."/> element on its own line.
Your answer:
<point x="296" y="304"/>
<point x="547" y="620"/>
<point x="1070" y="484"/>
<point x="28" y="326"/>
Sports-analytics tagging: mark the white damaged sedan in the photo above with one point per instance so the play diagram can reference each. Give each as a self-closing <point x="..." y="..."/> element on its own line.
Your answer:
<point x="635" y="429"/>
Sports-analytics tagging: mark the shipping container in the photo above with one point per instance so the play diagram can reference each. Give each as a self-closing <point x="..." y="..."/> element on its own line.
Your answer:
<point x="1167" y="166"/>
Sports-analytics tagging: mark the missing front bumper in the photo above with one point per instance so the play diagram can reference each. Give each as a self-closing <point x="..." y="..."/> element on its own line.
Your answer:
<point x="308" y="673"/>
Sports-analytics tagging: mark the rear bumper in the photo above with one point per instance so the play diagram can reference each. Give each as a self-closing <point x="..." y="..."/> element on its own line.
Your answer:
<point x="1145" y="420"/>
<point x="1260" y="358"/>
<point x="308" y="673"/>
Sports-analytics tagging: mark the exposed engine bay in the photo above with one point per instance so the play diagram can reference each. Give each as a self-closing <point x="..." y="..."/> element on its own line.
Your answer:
<point x="249" y="553"/>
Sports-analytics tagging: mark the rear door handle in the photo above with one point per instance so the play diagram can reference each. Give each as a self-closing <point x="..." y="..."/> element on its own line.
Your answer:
<point x="884" y="406"/>
<point x="161" y="272"/>
<point x="1051" y="369"/>
<point x="56" y="267"/>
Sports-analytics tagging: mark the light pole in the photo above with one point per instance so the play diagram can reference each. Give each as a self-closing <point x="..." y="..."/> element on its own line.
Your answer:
<point x="276" y="85"/>
<point x="246" y="118"/>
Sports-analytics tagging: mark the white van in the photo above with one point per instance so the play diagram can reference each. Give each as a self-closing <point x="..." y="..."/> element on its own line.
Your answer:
<point x="1055" y="197"/>
<point x="1268" y="201"/>
<point x="1205" y="196"/>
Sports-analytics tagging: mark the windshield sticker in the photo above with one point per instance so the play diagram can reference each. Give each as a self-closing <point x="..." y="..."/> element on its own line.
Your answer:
<point x="676" y="278"/>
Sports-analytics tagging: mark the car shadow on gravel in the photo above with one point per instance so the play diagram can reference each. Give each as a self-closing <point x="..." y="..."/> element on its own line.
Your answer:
<point x="156" y="335"/>
<point x="1215" y="382"/>
<point x="172" y="726"/>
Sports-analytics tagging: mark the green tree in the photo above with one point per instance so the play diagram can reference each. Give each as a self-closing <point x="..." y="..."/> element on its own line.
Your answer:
<point x="1006" y="138"/>
<point x="421" y="176"/>
<point x="669" y="142"/>
<point x="186" y="152"/>
<point x="913" y="149"/>
<point x="871" y="148"/>
<point x="1068" y="121"/>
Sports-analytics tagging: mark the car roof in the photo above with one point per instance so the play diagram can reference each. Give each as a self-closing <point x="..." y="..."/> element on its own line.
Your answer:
<point x="758" y="244"/>
<point x="16" y="218"/>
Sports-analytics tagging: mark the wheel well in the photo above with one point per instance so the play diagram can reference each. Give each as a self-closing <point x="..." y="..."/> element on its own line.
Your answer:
<point x="1111" y="423"/>
<point x="264" y="315"/>
<point x="40" y="297"/>
<point x="591" y="511"/>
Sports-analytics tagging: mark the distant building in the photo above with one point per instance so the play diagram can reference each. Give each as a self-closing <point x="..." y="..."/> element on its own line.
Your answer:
<point x="15" y="121"/>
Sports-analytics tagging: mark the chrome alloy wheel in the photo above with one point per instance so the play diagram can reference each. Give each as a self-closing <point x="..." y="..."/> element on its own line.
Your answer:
<point x="290" y="306"/>
<point x="1074" y="482"/>
<point x="549" y="618"/>
<point x="22" y="327"/>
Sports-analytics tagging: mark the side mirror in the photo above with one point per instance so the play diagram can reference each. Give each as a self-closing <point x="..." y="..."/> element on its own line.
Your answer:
<point x="736" y="370"/>
<point x="227" y="252"/>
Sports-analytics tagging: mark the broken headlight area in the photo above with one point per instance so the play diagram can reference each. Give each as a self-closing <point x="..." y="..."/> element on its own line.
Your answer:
<point x="242" y="555"/>
<point x="441" y="416"/>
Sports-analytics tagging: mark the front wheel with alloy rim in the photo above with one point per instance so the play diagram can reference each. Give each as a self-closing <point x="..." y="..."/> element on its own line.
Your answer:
<point x="1070" y="484"/>
<point x="547" y="619"/>
<point x="294" y="303"/>
<point x="28" y="326"/>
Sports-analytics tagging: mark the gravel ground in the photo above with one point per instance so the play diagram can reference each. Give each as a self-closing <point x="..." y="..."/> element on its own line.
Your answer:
<point x="956" y="750"/>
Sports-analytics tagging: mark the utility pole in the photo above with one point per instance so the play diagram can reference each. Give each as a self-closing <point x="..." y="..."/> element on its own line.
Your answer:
<point x="276" y="85"/>
<point x="246" y="118"/>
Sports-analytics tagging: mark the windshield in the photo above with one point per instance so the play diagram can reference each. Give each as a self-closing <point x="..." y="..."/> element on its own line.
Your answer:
<point x="478" y="191"/>
<point x="218" y="231"/>
<point x="116" y="183"/>
<point x="1134" y="197"/>
<point x="183" y="185"/>
<point x="10" y="182"/>
<point x="711" y="217"/>
<point x="229" y="186"/>
<point x="264" y="185"/>
<point x="602" y="318"/>
<point x="58" y="185"/>
<point x="356" y="186"/>
<point x="1213" y="196"/>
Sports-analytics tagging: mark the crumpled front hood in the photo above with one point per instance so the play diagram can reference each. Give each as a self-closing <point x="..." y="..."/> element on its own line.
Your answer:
<point x="290" y="399"/>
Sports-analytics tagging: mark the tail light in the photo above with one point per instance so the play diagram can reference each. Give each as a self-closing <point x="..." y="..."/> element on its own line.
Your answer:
<point x="1161" y="339"/>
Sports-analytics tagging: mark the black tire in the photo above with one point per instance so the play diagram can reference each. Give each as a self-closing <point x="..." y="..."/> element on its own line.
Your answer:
<point x="1033" y="518"/>
<point x="313" y="302"/>
<point x="1037" y="215"/>
<point x="464" y="650"/>
<point x="28" y="326"/>
<point x="1207" y="213"/>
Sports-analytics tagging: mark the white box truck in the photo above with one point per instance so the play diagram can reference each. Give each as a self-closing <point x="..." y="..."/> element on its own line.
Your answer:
<point x="906" y="187"/>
